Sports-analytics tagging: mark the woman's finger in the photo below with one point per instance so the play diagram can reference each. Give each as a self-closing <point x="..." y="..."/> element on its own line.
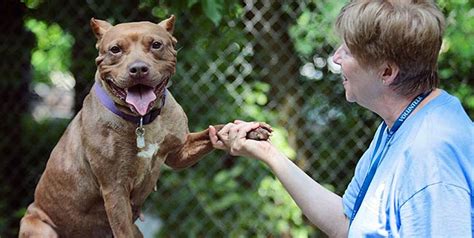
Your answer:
<point x="233" y="131"/>
<point x="244" y="128"/>
<point x="213" y="135"/>
<point x="239" y="131"/>
<point x="239" y="121"/>
<point x="216" y="143"/>
<point x="223" y="134"/>
<point x="266" y="126"/>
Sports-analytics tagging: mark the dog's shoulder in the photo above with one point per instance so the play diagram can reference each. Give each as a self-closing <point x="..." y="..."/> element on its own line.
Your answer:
<point x="173" y="113"/>
<point x="172" y="121"/>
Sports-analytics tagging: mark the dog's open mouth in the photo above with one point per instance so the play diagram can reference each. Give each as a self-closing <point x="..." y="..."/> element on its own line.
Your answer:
<point x="139" y="97"/>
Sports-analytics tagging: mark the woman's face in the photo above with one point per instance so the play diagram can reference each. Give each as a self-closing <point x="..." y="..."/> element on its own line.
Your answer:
<point x="361" y="84"/>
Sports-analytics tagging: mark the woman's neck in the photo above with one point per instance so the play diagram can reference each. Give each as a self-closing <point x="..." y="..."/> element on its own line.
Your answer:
<point x="392" y="105"/>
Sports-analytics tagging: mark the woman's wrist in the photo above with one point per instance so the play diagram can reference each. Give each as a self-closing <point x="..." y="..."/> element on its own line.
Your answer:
<point x="272" y="156"/>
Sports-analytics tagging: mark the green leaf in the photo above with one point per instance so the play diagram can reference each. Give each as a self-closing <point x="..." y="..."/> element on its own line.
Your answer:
<point x="213" y="10"/>
<point x="160" y="12"/>
<point x="191" y="3"/>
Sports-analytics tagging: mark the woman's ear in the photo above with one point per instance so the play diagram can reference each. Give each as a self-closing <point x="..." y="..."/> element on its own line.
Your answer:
<point x="389" y="72"/>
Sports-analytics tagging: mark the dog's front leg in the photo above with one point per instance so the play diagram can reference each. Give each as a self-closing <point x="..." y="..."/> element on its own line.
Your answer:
<point x="198" y="144"/>
<point x="119" y="213"/>
<point x="195" y="146"/>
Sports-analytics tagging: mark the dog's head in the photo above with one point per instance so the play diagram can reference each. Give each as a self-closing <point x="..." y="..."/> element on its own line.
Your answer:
<point x="135" y="61"/>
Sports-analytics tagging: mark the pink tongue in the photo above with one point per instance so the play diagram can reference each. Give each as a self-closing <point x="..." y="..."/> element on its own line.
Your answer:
<point x="140" y="97"/>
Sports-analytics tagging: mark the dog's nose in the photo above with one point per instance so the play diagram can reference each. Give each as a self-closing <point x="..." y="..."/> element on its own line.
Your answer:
<point x="138" y="69"/>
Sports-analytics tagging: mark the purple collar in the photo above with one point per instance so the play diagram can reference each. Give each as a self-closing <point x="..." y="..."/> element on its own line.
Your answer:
<point x="109" y="104"/>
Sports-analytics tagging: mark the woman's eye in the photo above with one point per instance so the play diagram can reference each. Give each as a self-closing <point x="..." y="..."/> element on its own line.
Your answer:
<point x="115" y="49"/>
<point x="156" y="45"/>
<point x="346" y="51"/>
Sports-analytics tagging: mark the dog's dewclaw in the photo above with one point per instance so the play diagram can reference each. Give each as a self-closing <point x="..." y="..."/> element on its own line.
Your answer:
<point x="260" y="133"/>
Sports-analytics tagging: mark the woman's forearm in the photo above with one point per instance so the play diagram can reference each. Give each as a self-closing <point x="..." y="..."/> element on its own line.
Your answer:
<point x="321" y="206"/>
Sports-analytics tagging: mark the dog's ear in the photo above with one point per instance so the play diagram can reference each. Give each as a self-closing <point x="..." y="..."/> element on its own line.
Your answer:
<point x="99" y="27"/>
<point x="168" y="24"/>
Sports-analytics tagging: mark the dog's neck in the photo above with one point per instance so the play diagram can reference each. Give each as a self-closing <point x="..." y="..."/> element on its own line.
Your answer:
<point x="107" y="102"/>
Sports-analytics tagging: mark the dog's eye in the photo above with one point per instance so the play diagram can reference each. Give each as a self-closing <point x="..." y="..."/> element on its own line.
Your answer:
<point x="115" y="49"/>
<point x="156" y="45"/>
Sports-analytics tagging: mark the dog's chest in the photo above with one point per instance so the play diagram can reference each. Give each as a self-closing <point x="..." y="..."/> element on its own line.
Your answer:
<point x="149" y="160"/>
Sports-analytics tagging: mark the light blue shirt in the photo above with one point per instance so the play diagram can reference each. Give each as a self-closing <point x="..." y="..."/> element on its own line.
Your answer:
<point x="424" y="185"/>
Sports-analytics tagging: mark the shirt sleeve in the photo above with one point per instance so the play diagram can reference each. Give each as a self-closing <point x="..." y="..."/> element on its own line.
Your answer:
<point x="438" y="210"/>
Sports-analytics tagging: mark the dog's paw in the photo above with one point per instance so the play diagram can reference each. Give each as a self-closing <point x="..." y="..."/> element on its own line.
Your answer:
<point x="260" y="133"/>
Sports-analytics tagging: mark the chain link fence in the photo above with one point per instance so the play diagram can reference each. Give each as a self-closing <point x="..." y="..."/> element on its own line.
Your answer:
<point x="269" y="64"/>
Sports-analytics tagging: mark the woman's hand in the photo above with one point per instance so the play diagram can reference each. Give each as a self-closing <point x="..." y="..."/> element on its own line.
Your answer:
<point x="220" y="141"/>
<point x="233" y="138"/>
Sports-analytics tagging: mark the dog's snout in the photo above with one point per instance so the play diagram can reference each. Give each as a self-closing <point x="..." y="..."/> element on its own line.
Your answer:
<point x="138" y="69"/>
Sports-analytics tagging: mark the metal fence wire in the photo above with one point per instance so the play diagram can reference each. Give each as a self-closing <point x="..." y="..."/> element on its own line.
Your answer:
<point x="268" y="64"/>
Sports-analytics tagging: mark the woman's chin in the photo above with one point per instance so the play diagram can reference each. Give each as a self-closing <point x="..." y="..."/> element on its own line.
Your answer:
<point x="349" y="97"/>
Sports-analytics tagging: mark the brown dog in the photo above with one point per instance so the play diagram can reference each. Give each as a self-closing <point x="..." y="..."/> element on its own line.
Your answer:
<point x="109" y="158"/>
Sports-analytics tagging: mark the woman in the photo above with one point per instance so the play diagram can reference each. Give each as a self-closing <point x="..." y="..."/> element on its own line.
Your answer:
<point x="416" y="177"/>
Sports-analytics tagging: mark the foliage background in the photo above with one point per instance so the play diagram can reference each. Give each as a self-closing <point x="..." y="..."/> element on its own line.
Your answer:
<point x="252" y="59"/>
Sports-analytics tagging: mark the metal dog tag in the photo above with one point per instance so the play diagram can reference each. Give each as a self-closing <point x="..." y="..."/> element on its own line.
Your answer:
<point x="140" y="132"/>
